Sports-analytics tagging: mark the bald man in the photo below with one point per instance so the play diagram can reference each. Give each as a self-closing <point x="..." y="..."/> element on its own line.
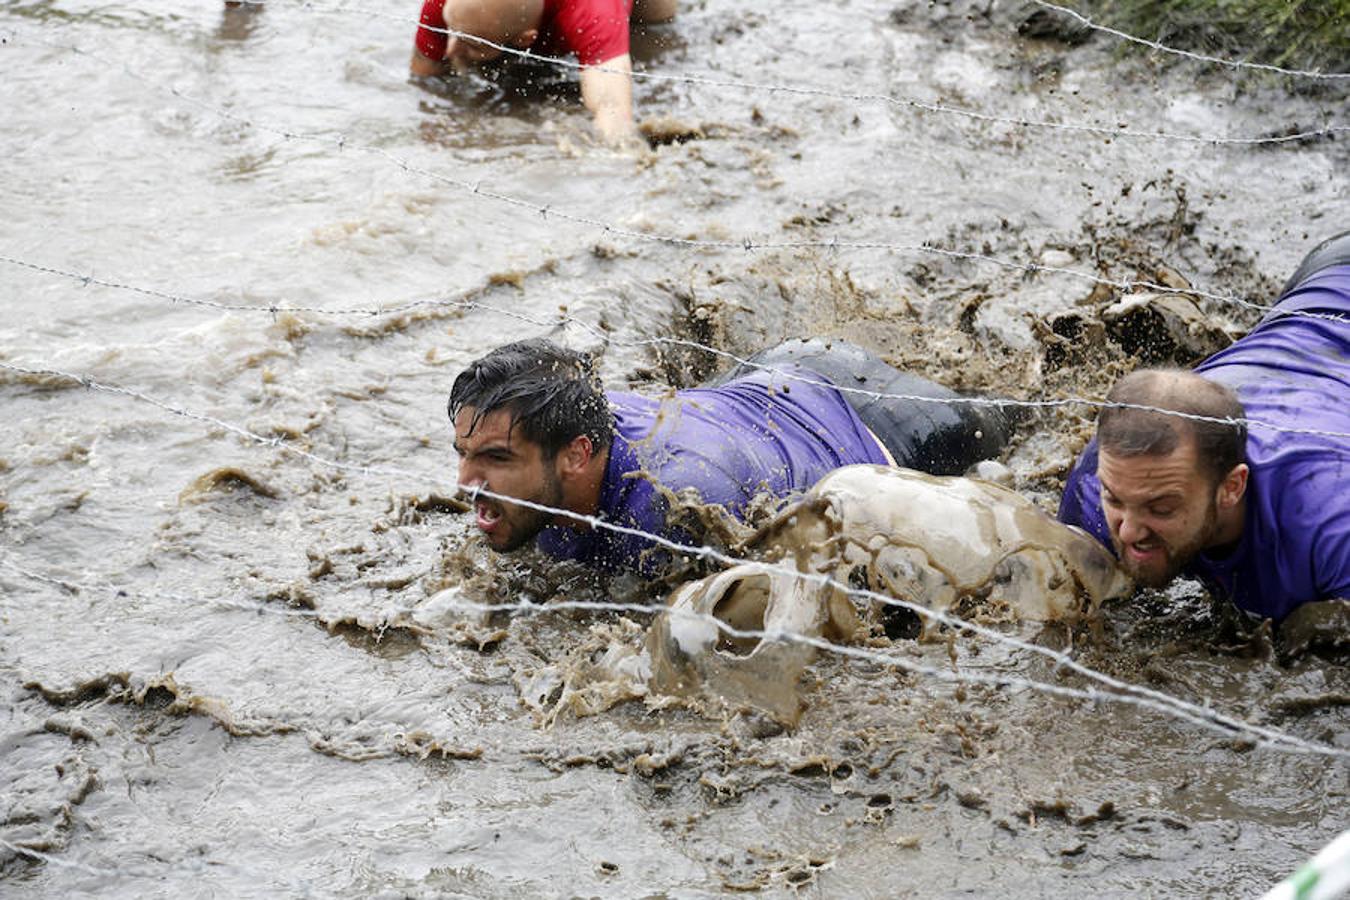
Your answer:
<point x="595" y="31"/>
<point x="1261" y="515"/>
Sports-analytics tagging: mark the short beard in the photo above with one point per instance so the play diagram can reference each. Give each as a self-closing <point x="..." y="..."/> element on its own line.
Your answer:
<point x="1178" y="558"/>
<point x="532" y="521"/>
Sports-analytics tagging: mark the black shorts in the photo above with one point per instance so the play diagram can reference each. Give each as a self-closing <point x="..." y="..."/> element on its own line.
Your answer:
<point x="941" y="438"/>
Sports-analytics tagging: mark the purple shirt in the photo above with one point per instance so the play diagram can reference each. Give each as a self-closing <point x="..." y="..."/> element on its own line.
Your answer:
<point x="1292" y="371"/>
<point x="729" y="443"/>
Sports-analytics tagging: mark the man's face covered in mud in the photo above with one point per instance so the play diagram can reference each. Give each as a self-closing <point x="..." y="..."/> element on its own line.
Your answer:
<point x="1162" y="510"/>
<point x="494" y="458"/>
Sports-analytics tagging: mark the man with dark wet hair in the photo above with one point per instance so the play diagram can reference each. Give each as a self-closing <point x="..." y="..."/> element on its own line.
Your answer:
<point x="532" y="422"/>
<point x="1260" y="514"/>
<point x="596" y="31"/>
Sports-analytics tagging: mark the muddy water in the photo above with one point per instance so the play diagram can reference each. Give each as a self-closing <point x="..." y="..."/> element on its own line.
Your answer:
<point x="226" y="672"/>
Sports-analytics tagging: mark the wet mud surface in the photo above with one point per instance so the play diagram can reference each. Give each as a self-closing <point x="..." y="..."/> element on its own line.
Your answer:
<point x="232" y="668"/>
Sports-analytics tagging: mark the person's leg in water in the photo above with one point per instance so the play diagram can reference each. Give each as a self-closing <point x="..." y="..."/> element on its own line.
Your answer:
<point x="937" y="436"/>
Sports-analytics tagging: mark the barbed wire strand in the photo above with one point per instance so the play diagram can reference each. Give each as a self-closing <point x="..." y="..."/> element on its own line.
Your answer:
<point x="746" y="243"/>
<point x="1273" y="739"/>
<point x="273" y="309"/>
<point x="76" y="587"/>
<point x="128" y="871"/>
<point x="75" y="866"/>
<point x="69" y="587"/>
<point x="700" y="552"/>
<point x="1198" y="57"/>
<point x="1208" y="718"/>
<point x="1125" y="286"/>
<point x="1089" y="23"/>
<point x="891" y="100"/>
<point x="827" y="581"/>
<point x="828" y="93"/>
<point x="563" y="319"/>
<point x="1198" y="715"/>
<point x="908" y="103"/>
<point x="1132" y="695"/>
<point x="1001" y="402"/>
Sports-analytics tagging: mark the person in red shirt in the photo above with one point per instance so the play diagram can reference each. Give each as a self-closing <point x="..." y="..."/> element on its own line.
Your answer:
<point x="596" y="31"/>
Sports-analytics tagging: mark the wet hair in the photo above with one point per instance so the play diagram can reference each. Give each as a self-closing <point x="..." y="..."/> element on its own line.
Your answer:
<point x="552" y="393"/>
<point x="1136" y="432"/>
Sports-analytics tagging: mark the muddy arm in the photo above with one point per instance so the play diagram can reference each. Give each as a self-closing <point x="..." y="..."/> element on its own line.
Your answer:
<point x="607" y="91"/>
<point x="422" y="67"/>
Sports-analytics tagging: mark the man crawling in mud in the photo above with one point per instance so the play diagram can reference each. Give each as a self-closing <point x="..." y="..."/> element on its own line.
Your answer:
<point x="596" y="31"/>
<point x="531" y="422"/>
<point x="1260" y="515"/>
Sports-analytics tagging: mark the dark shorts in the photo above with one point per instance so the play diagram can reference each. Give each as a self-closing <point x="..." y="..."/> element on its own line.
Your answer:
<point x="941" y="438"/>
<point x="1334" y="251"/>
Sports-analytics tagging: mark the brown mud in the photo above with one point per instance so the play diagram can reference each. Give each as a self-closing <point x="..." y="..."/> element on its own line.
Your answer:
<point x="234" y="670"/>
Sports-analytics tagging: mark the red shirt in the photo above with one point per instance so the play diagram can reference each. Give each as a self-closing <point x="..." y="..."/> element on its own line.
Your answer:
<point x="595" y="30"/>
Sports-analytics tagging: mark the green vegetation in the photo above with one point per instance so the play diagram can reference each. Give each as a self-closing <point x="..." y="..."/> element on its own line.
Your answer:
<point x="1305" y="34"/>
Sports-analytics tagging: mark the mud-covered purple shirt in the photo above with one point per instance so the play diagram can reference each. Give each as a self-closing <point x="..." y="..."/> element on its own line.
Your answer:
<point x="1292" y="371"/>
<point x="764" y="432"/>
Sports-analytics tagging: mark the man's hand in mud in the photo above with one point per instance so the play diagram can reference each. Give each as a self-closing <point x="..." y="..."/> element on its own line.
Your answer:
<point x="607" y="91"/>
<point x="630" y="143"/>
<point x="422" y="67"/>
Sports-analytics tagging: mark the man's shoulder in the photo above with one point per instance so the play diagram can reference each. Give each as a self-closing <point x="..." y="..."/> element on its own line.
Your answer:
<point x="595" y="30"/>
<point x="1299" y="523"/>
<point x="1081" y="503"/>
<point x="1304" y="491"/>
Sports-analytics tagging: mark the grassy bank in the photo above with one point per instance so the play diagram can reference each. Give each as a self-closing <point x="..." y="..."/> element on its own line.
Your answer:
<point x="1305" y="34"/>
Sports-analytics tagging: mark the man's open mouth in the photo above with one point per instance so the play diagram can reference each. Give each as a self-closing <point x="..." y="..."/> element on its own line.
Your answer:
<point x="486" y="516"/>
<point x="1142" y="552"/>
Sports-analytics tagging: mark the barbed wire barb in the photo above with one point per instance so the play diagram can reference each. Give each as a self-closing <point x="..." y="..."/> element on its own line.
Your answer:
<point x="1000" y="402"/>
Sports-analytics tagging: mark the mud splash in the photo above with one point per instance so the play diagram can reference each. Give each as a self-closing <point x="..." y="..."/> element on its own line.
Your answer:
<point x="930" y="541"/>
<point x="438" y="748"/>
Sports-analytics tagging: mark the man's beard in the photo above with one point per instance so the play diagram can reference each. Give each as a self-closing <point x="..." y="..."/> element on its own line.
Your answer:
<point x="1175" y="558"/>
<point x="524" y="523"/>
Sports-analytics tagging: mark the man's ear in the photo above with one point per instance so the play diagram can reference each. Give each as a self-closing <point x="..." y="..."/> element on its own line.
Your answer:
<point x="575" y="456"/>
<point x="1233" y="487"/>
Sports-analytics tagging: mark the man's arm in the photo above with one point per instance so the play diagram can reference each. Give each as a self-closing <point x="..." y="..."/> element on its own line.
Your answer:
<point x="608" y="94"/>
<point x="421" y="67"/>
